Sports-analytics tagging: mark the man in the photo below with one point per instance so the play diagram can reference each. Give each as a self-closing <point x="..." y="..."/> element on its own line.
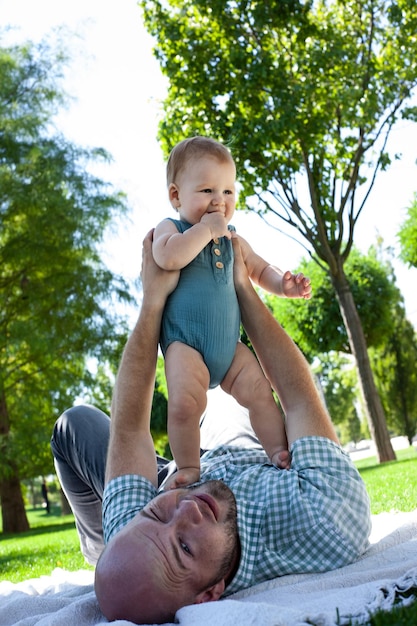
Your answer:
<point x="247" y="521"/>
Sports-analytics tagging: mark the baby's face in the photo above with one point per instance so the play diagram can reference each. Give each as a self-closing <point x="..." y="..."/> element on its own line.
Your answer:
<point x="205" y="185"/>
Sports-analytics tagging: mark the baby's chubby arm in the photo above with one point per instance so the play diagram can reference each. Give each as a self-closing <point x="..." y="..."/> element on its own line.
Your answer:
<point x="271" y="278"/>
<point x="173" y="250"/>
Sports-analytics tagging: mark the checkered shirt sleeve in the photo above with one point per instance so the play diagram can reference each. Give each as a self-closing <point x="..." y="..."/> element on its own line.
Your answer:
<point x="123" y="498"/>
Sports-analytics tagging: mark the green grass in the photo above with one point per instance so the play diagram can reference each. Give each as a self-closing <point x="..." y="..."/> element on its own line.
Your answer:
<point x="391" y="486"/>
<point x="399" y="616"/>
<point x="52" y="540"/>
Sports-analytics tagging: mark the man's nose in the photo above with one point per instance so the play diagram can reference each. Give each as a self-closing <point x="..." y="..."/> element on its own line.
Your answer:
<point x="188" y="511"/>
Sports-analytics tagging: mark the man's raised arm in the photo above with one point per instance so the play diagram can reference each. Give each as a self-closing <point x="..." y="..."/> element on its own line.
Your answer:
<point x="283" y="363"/>
<point x="131" y="449"/>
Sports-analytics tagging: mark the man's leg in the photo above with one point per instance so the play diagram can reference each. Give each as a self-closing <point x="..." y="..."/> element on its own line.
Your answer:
<point x="79" y="445"/>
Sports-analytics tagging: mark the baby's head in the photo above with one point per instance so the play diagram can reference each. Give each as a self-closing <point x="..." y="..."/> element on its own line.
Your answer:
<point x="194" y="148"/>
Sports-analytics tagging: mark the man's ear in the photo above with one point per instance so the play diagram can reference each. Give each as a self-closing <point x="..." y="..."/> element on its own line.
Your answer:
<point x="173" y="195"/>
<point x="212" y="593"/>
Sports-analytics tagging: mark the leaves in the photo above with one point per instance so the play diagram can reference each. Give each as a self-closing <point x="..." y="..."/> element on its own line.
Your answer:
<point x="317" y="325"/>
<point x="58" y="298"/>
<point x="408" y="235"/>
<point x="394" y="364"/>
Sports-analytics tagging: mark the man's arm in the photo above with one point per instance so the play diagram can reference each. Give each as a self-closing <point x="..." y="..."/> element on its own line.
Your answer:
<point x="131" y="449"/>
<point x="283" y="363"/>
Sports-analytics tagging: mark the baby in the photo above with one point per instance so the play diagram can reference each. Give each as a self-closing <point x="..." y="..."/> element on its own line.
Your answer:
<point x="201" y="323"/>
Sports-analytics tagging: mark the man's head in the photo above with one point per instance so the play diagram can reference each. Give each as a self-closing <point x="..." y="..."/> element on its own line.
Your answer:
<point x="181" y="549"/>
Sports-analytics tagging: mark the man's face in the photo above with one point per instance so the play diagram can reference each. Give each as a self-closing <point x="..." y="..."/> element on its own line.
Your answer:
<point x="195" y="530"/>
<point x="172" y="553"/>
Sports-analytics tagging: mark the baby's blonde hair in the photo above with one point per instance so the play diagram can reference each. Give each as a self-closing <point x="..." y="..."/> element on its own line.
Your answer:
<point x="194" y="147"/>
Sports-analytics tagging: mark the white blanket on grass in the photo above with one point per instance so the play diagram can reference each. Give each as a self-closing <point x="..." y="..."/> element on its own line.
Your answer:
<point x="385" y="574"/>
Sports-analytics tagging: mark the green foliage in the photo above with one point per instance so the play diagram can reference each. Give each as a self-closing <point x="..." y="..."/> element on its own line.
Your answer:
<point x="408" y="235"/>
<point x="338" y="382"/>
<point x="394" y="366"/>
<point x="159" y="412"/>
<point x="317" y="325"/>
<point x="159" y="403"/>
<point x="57" y="296"/>
<point x="318" y="329"/>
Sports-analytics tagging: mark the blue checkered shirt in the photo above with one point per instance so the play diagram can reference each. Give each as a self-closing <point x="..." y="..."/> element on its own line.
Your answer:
<point x="314" y="517"/>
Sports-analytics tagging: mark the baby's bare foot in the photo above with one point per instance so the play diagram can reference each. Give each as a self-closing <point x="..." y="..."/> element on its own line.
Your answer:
<point x="282" y="458"/>
<point x="183" y="478"/>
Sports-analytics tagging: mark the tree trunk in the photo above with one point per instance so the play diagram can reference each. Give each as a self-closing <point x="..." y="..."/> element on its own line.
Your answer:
<point x="12" y="506"/>
<point x="372" y="402"/>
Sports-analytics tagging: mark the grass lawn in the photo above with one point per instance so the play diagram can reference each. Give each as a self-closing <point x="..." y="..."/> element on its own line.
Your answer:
<point x="52" y="541"/>
<point x="391" y="486"/>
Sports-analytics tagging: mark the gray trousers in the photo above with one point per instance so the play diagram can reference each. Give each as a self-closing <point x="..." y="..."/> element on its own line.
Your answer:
<point x="79" y="445"/>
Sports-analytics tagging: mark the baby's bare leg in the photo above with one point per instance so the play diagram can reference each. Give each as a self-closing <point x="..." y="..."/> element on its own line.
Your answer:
<point x="188" y="381"/>
<point x="246" y="382"/>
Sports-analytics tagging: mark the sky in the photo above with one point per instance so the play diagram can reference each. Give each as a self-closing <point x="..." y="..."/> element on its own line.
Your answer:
<point x="117" y="89"/>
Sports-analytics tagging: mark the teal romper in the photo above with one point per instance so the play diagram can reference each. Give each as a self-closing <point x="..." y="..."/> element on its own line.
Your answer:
<point x="203" y="311"/>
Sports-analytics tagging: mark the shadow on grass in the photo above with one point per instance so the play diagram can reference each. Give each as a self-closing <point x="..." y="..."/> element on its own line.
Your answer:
<point x="12" y="561"/>
<point x="39" y="530"/>
<point x="389" y="464"/>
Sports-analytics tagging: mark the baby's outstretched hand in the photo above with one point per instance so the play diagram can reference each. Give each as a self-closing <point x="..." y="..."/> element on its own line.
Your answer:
<point x="296" y="285"/>
<point x="183" y="478"/>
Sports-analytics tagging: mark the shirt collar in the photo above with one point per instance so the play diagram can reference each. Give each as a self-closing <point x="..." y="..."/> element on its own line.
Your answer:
<point x="249" y="518"/>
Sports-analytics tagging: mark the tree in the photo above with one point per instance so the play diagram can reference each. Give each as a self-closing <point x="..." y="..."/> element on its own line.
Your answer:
<point x="305" y="94"/>
<point x="394" y="364"/>
<point x="318" y="330"/>
<point x="339" y="383"/>
<point x="317" y="326"/>
<point x="408" y="235"/>
<point x="57" y="297"/>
